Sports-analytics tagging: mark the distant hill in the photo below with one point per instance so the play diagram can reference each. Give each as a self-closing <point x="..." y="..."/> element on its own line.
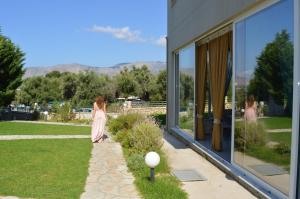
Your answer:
<point x="154" y="67"/>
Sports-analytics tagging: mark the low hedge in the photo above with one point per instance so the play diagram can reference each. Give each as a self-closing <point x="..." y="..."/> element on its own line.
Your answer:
<point x="139" y="135"/>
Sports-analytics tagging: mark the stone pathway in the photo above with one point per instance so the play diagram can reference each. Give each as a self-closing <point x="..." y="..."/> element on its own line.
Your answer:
<point x="278" y="130"/>
<point x="108" y="176"/>
<point x="27" y="137"/>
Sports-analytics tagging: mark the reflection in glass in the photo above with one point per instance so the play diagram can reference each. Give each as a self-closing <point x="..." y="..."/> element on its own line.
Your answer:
<point x="186" y="89"/>
<point x="263" y="94"/>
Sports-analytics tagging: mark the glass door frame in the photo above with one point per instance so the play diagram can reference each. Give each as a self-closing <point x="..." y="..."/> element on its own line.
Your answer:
<point x="296" y="100"/>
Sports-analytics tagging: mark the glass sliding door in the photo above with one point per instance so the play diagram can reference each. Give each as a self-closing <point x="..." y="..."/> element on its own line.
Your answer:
<point x="264" y="94"/>
<point x="186" y="78"/>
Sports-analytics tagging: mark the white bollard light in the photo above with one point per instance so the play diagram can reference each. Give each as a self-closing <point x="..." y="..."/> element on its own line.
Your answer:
<point x="152" y="159"/>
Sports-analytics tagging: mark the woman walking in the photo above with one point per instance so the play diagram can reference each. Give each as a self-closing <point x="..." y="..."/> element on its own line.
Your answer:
<point x="99" y="120"/>
<point x="250" y="109"/>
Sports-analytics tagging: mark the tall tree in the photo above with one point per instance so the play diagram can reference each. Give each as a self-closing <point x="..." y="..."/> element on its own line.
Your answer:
<point x="159" y="87"/>
<point x="91" y="85"/>
<point x="186" y="88"/>
<point x="126" y="84"/>
<point x="273" y="76"/>
<point x="144" y="79"/>
<point x="69" y="85"/>
<point x="11" y="70"/>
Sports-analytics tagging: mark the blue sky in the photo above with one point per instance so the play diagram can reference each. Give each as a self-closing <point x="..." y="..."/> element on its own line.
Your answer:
<point x="262" y="28"/>
<point x="92" y="32"/>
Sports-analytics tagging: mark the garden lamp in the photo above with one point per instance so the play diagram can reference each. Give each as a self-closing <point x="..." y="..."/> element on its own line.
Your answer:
<point x="152" y="159"/>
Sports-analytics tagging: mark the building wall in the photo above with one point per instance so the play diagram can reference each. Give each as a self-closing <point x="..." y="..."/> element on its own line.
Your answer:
<point x="189" y="19"/>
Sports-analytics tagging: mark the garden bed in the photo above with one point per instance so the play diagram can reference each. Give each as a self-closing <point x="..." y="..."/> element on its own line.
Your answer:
<point x="138" y="135"/>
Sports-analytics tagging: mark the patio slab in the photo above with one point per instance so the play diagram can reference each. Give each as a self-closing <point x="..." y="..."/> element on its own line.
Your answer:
<point x="218" y="184"/>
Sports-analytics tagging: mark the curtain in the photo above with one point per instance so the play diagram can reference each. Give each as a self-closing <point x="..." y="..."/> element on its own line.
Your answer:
<point x="218" y="57"/>
<point x="201" y="79"/>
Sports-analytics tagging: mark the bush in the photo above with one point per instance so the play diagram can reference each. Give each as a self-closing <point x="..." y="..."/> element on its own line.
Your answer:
<point x="35" y="115"/>
<point x="135" y="162"/>
<point x="122" y="137"/>
<point x="160" y="118"/>
<point x="144" y="137"/>
<point x="282" y="148"/>
<point x="249" y="134"/>
<point x="63" y="112"/>
<point x="124" y="122"/>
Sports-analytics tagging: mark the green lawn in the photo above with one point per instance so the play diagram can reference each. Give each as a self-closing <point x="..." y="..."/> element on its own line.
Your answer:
<point x="277" y="122"/>
<point x="284" y="137"/>
<point x="270" y="155"/>
<point x="19" y="128"/>
<point x="44" y="168"/>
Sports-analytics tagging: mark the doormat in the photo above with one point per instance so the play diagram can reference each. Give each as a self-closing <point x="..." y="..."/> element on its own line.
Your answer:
<point x="268" y="170"/>
<point x="188" y="175"/>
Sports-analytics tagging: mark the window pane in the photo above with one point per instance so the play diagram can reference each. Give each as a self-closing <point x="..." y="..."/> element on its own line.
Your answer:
<point x="186" y="89"/>
<point x="264" y="94"/>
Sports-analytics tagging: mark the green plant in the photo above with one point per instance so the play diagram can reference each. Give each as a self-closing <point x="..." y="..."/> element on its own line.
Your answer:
<point x="122" y="137"/>
<point x="136" y="163"/>
<point x="145" y="136"/>
<point x="63" y="112"/>
<point x="183" y="118"/>
<point x="249" y="134"/>
<point x="125" y="121"/>
<point x="11" y="70"/>
<point x="282" y="148"/>
<point x="160" y="118"/>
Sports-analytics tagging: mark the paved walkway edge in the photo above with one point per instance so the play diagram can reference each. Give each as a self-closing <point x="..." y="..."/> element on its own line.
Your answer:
<point x="109" y="177"/>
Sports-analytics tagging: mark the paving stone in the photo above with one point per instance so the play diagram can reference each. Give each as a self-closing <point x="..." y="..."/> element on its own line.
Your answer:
<point x="108" y="174"/>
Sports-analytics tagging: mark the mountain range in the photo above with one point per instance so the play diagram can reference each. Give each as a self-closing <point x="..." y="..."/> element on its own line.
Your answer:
<point x="154" y="67"/>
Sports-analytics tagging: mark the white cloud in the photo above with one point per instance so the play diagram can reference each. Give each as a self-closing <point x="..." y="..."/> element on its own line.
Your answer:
<point x="161" y="41"/>
<point x="120" y="33"/>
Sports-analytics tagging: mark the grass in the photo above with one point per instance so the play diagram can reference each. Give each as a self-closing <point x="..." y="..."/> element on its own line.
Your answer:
<point x="19" y="128"/>
<point x="44" y="168"/>
<point x="284" y="137"/>
<point x="186" y="123"/>
<point x="277" y="122"/>
<point x="165" y="185"/>
<point x="270" y="155"/>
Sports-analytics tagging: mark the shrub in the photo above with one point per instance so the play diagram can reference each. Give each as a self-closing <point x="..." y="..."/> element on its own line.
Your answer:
<point x="144" y="137"/>
<point x="248" y="134"/>
<point x="160" y="118"/>
<point x="124" y="122"/>
<point x="183" y="118"/>
<point x="35" y="115"/>
<point x="122" y="137"/>
<point x="282" y="148"/>
<point x="63" y="112"/>
<point x="135" y="162"/>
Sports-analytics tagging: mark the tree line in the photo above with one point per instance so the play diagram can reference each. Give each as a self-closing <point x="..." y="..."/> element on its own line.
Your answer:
<point x="82" y="88"/>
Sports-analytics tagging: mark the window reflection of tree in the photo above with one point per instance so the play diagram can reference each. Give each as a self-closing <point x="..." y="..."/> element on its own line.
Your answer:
<point x="273" y="76"/>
